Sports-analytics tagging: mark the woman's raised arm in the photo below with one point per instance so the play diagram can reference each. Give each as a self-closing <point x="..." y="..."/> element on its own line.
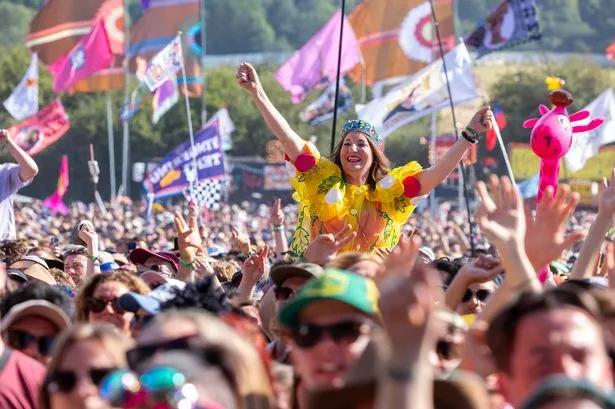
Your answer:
<point x="248" y="79"/>
<point x="433" y="176"/>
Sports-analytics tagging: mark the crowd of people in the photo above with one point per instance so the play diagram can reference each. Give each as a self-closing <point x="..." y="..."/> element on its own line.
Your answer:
<point x="346" y="299"/>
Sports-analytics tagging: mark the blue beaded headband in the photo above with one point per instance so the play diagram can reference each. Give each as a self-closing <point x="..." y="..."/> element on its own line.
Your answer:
<point x="359" y="125"/>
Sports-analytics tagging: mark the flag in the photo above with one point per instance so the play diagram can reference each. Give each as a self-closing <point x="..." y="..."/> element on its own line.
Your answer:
<point x="226" y="127"/>
<point x="610" y="51"/>
<point x="511" y="23"/>
<point x="164" y="65"/>
<point x="321" y="110"/>
<point x="104" y="80"/>
<point x="173" y="175"/>
<point x="91" y="54"/>
<point x="500" y="119"/>
<point x="59" y="24"/>
<point x="130" y="108"/>
<point x="587" y="144"/>
<point x="316" y="62"/>
<point x="41" y="130"/>
<point x="424" y="93"/>
<point x="396" y="37"/>
<point x="23" y="102"/>
<point x="112" y="12"/>
<point x="145" y="4"/>
<point x="529" y="188"/>
<point x="165" y="97"/>
<point x="54" y="202"/>
<point x="158" y="25"/>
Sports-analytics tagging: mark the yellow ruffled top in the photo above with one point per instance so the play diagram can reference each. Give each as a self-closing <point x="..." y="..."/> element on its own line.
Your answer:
<point x="327" y="203"/>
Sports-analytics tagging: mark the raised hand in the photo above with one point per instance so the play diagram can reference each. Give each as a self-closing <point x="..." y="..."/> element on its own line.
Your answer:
<point x="277" y="215"/>
<point x="188" y="237"/>
<point x="482" y="120"/>
<point x="481" y="270"/>
<point x="247" y="77"/>
<point x="254" y="266"/>
<point x="501" y="216"/>
<point x="4" y="135"/>
<point x="607" y="201"/>
<point x="545" y="238"/>
<point x="402" y="259"/>
<point x="326" y="246"/>
<point x="240" y="241"/>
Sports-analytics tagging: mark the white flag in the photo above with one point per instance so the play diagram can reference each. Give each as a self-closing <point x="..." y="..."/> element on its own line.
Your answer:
<point x="422" y="94"/>
<point x="23" y="102"/>
<point x="586" y="144"/>
<point x="164" y="64"/>
<point x="165" y="97"/>
<point x="225" y="126"/>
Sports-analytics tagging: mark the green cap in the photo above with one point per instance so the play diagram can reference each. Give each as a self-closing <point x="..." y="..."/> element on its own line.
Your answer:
<point x="337" y="285"/>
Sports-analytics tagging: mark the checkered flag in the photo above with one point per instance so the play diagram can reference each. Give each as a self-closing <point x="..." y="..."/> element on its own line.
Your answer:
<point x="206" y="193"/>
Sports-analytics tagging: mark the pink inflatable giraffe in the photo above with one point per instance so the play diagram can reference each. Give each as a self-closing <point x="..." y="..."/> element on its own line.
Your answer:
<point x="551" y="136"/>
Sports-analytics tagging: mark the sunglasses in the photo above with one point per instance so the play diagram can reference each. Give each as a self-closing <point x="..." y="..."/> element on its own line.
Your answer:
<point x="481" y="295"/>
<point x="447" y="350"/>
<point x="308" y="335"/>
<point x="283" y="293"/>
<point x="97" y="305"/>
<point x="65" y="381"/>
<point x="165" y="386"/>
<point x="21" y="340"/>
<point x="140" y="354"/>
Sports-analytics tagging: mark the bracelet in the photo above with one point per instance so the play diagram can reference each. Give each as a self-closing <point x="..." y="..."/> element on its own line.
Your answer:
<point x="399" y="374"/>
<point x="185" y="263"/>
<point x="468" y="137"/>
<point x="277" y="227"/>
<point x="93" y="258"/>
<point x="472" y="131"/>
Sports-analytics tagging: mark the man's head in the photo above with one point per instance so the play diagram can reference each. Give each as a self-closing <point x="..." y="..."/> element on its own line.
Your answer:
<point x="75" y="263"/>
<point x="329" y="324"/>
<point x="554" y="333"/>
<point x="289" y="278"/>
<point x="154" y="268"/>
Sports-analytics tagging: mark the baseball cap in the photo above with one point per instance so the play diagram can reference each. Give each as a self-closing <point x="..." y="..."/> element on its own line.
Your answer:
<point x="27" y="261"/>
<point x="336" y="285"/>
<point x="139" y="256"/>
<point x="17" y="275"/>
<point x="280" y="273"/>
<point x="215" y="251"/>
<point x="38" y="308"/>
<point x="151" y="302"/>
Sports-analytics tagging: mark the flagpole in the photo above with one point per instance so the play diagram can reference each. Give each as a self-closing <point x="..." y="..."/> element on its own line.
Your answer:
<point x="111" y="148"/>
<point x="462" y="167"/>
<point x="203" y="73"/>
<point x="191" y="131"/>
<point x="434" y="147"/>
<point x="126" y="125"/>
<point x="496" y="128"/>
<point x="337" y="77"/>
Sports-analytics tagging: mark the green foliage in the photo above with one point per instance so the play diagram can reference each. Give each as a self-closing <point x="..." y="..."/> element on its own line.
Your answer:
<point x="14" y="20"/>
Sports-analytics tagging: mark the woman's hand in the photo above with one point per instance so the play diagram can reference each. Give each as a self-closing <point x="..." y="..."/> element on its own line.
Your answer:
<point x="482" y="121"/>
<point x="325" y="247"/>
<point x="277" y="214"/>
<point x="188" y="237"/>
<point x="248" y="78"/>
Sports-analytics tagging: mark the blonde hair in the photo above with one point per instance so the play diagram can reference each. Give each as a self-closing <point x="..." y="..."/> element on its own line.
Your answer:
<point x="131" y="281"/>
<point x="224" y="271"/>
<point x="380" y="166"/>
<point x="113" y="341"/>
<point x="348" y="259"/>
<point x="250" y="378"/>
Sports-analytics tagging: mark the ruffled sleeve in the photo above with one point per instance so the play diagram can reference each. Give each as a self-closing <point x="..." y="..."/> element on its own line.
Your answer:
<point x="398" y="192"/>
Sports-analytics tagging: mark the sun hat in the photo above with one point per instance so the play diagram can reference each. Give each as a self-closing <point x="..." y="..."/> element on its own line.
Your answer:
<point x="38" y="308"/>
<point x="279" y="274"/>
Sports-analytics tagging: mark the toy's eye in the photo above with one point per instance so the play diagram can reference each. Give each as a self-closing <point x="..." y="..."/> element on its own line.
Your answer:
<point x="564" y="122"/>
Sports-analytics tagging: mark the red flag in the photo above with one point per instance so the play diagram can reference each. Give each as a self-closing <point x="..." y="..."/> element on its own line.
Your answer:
<point x="500" y="119"/>
<point x="43" y="129"/>
<point x="610" y="52"/>
<point x="91" y="54"/>
<point x="54" y="202"/>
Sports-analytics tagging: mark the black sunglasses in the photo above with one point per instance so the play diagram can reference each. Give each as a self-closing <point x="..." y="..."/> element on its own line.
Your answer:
<point x="481" y="295"/>
<point x="65" y="381"/>
<point x="21" y="340"/>
<point x="140" y="354"/>
<point x="308" y="335"/>
<point x="283" y="293"/>
<point x="97" y="305"/>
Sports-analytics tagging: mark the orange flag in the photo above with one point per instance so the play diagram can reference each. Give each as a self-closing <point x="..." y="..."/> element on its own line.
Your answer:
<point x="397" y="37"/>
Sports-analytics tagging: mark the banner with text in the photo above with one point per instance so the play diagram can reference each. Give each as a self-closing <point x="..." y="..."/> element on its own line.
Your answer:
<point x="173" y="174"/>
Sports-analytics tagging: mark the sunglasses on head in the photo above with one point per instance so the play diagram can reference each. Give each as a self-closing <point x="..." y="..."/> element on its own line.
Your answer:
<point x="140" y="354"/>
<point x="284" y="293"/>
<point x="309" y="335"/>
<point x="97" y="305"/>
<point x="481" y="295"/>
<point x="65" y="381"/>
<point x="165" y="386"/>
<point x="21" y="340"/>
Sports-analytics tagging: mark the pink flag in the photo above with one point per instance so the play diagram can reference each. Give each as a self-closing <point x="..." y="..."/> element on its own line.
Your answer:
<point x="315" y="64"/>
<point x="91" y="54"/>
<point x="54" y="202"/>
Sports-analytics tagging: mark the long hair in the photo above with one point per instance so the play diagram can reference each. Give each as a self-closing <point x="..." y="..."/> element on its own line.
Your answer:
<point x="380" y="166"/>
<point x="131" y="281"/>
<point x="112" y="340"/>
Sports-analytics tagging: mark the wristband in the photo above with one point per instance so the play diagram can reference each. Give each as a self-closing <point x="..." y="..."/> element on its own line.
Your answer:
<point x="472" y="131"/>
<point x="277" y="227"/>
<point x="185" y="263"/>
<point x="468" y="137"/>
<point x="399" y="374"/>
<point x="93" y="258"/>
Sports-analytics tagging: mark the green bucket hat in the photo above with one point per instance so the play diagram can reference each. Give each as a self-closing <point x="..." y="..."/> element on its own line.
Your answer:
<point x="337" y="285"/>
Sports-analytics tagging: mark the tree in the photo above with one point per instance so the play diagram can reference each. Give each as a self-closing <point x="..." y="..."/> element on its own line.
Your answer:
<point x="14" y="19"/>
